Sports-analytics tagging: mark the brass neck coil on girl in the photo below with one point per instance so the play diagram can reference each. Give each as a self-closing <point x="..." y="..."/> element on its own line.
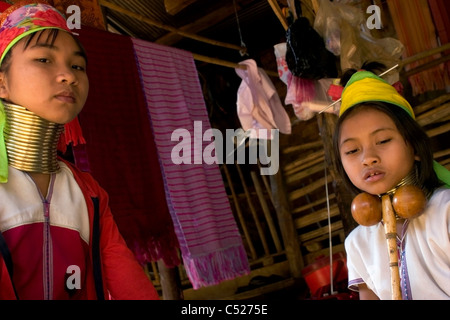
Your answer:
<point x="410" y="179"/>
<point x="31" y="141"/>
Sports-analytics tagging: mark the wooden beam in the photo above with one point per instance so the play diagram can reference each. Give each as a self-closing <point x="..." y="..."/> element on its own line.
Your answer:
<point x="160" y="25"/>
<point x="434" y="115"/>
<point x="175" y="6"/>
<point x="197" y="57"/>
<point x="228" y="64"/>
<point x="285" y="222"/>
<point x="424" y="54"/>
<point x="426" y="66"/>
<point x="198" y="25"/>
<point x="276" y="8"/>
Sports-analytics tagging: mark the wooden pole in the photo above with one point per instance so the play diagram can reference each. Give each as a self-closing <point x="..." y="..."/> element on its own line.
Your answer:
<point x="170" y="282"/>
<point x="267" y="185"/>
<point x="286" y="223"/>
<point x="240" y="215"/>
<point x="253" y="212"/>
<point x="197" y="57"/>
<point x="276" y="8"/>
<point x="424" y="54"/>
<point x="229" y="64"/>
<point x="390" y="230"/>
<point x="266" y="211"/>
<point x="426" y="66"/>
<point x="175" y="6"/>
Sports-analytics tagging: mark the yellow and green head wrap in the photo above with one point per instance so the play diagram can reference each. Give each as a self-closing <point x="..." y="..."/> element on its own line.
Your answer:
<point x="365" y="87"/>
<point x="16" y="22"/>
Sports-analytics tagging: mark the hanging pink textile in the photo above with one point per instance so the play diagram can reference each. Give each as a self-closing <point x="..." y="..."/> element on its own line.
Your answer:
<point x="121" y="150"/>
<point x="210" y="242"/>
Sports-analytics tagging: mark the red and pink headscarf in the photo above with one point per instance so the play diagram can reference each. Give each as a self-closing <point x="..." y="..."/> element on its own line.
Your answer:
<point x="25" y="17"/>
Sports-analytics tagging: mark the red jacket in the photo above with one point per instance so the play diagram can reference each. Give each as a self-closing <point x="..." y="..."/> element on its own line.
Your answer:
<point x="112" y="271"/>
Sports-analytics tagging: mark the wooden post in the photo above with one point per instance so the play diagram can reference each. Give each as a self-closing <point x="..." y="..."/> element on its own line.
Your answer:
<point x="170" y="282"/>
<point x="253" y="212"/>
<point x="327" y="124"/>
<point x="266" y="211"/>
<point x="286" y="224"/>
<point x="240" y="215"/>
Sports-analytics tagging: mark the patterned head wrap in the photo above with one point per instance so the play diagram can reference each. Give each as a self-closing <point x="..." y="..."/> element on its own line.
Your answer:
<point x="24" y="18"/>
<point x="364" y="86"/>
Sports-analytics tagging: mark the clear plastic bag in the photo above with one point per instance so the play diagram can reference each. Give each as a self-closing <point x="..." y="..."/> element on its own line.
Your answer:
<point x="326" y="23"/>
<point x="358" y="46"/>
<point x="344" y="30"/>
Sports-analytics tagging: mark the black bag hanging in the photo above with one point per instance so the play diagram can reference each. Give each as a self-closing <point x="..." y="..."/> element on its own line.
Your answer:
<point x="306" y="54"/>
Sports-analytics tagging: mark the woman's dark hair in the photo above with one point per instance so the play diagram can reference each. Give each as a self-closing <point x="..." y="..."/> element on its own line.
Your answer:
<point x="410" y="130"/>
<point x="51" y="37"/>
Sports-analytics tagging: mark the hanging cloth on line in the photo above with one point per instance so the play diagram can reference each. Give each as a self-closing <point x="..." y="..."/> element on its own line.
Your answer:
<point x="258" y="103"/>
<point x="121" y="149"/>
<point x="210" y="242"/>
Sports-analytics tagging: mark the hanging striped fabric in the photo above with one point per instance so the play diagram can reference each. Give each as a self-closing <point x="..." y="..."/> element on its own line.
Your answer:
<point x="210" y="242"/>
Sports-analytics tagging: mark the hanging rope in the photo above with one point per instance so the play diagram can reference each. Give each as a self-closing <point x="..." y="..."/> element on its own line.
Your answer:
<point x="329" y="232"/>
<point x="243" y="51"/>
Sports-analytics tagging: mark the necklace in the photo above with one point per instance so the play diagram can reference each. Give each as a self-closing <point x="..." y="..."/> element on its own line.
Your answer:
<point x="31" y="141"/>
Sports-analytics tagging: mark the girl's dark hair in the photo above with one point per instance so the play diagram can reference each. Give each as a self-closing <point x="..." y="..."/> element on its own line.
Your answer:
<point x="371" y="66"/>
<point x="410" y="130"/>
<point x="51" y="37"/>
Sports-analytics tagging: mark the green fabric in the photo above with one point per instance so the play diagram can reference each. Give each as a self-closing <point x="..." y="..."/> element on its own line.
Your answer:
<point x="362" y="75"/>
<point x="20" y="37"/>
<point x="442" y="173"/>
<point x="3" y="155"/>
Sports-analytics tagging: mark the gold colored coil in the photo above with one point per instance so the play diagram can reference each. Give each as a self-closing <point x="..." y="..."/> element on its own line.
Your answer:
<point x="31" y="141"/>
<point x="410" y="179"/>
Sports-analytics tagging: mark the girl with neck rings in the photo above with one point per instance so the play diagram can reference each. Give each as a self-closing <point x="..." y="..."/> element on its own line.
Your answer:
<point x="58" y="237"/>
<point x="379" y="148"/>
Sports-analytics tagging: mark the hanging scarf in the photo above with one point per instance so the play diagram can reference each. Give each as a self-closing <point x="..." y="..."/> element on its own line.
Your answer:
<point x="210" y="242"/>
<point x="121" y="149"/>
